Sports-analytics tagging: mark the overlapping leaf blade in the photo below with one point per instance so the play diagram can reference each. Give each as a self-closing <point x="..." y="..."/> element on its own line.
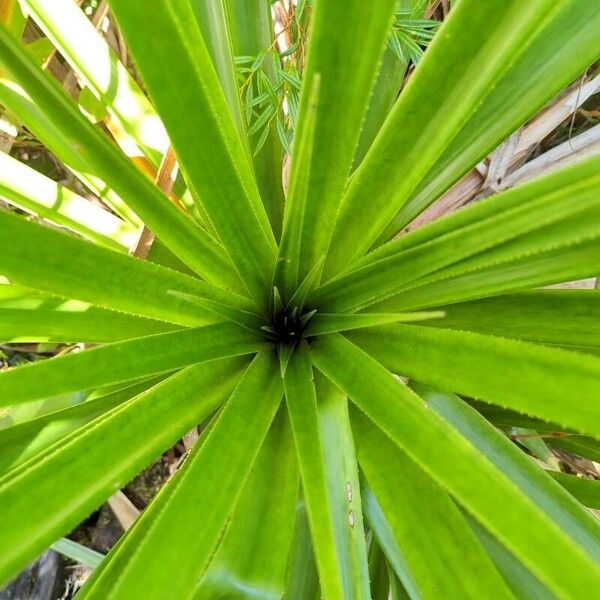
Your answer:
<point x="457" y="72"/>
<point x="87" y="52"/>
<point x="443" y="555"/>
<point x="533" y="481"/>
<point x="561" y="317"/>
<point x="29" y="190"/>
<point x="172" y="556"/>
<point x="20" y="442"/>
<point x="529" y="378"/>
<point x="251" y="33"/>
<point x="565" y="44"/>
<point x="211" y="155"/>
<point x="256" y="545"/>
<point x="459" y="467"/>
<point x="192" y="245"/>
<point x="330" y="487"/>
<point x="346" y="72"/>
<point x="92" y="463"/>
<point x="125" y="361"/>
<point x="555" y="212"/>
<point x="75" y="269"/>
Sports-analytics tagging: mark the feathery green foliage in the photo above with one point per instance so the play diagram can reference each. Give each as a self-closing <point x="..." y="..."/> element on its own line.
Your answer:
<point x="320" y="360"/>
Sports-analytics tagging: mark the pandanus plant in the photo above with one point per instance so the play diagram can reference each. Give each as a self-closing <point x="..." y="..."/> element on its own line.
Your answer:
<point x="355" y="389"/>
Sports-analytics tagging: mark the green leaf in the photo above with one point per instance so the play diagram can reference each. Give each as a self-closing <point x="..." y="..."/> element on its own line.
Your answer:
<point x="387" y="85"/>
<point x="65" y="266"/>
<point x="125" y="361"/>
<point x="251" y="33"/>
<point x="459" y="467"/>
<point x="382" y="533"/>
<point x="525" y="272"/>
<point x="254" y="552"/>
<point x="531" y="480"/>
<point x="324" y="323"/>
<point x="378" y="572"/>
<point x="15" y="99"/>
<point x="39" y="318"/>
<point x="191" y="244"/>
<point x="347" y="72"/>
<point x="172" y="556"/>
<point x="302" y="579"/>
<point x="521" y="581"/>
<point x="92" y="464"/>
<point x="20" y="442"/>
<point x="213" y="21"/>
<point x="31" y="191"/>
<point x="77" y="552"/>
<point x="210" y="152"/>
<point x="287" y="271"/>
<point x="455" y="78"/>
<point x="561" y="317"/>
<point x="443" y="555"/>
<point x="533" y="379"/>
<point x="587" y="491"/>
<point x="329" y="480"/>
<point x="546" y="256"/>
<point x="565" y="43"/>
<point x="84" y="48"/>
<point x="554" y="212"/>
<point x="246" y="319"/>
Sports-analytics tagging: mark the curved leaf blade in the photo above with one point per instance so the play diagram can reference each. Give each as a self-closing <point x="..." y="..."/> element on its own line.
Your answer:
<point x="95" y="462"/>
<point x="125" y="361"/>
<point x="537" y="380"/>
<point x="330" y="499"/>
<point x="172" y="556"/>
<point x="459" y="467"/>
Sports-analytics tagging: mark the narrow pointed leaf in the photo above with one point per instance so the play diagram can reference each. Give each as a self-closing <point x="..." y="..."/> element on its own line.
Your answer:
<point x="77" y="552"/>
<point x="246" y="319"/>
<point x="254" y="552"/>
<point x="520" y="580"/>
<point x="66" y="265"/>
<point x="191" y="244"/>
<point x="561" y="317"/>
<point x="587" y="491"/>
<point x="86" y="51"/>
<point x="22" y="441"/>
<point x="561" y="49"/>
<point x="100" y="460"/>
<point x="210" y="152"/>
<point x="60" y="143"/>
<point x="125" y="361"/>
<point x="554" y="212"/>
<point x="288" y="270"/>
<point x="444" y="95"/>
<point x="31" y="191"/>
<point x="548" y="267"/>
<point x="382" y="533"/>
<point x="302" y="579"/>
<point x="533" y="481"/>
<point x="172" y="556"/>
<point x="27" y="316"/>
<point x="329" y="500"/>
<point x="324" y="323"/>
<point x="459" y="467"/>
<point x="347" y="72"/>
<point x="537" y="380"/>
<point x="251" y="32"/>
<point x="213" y="21"/>
<point x="443" y="555"/>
